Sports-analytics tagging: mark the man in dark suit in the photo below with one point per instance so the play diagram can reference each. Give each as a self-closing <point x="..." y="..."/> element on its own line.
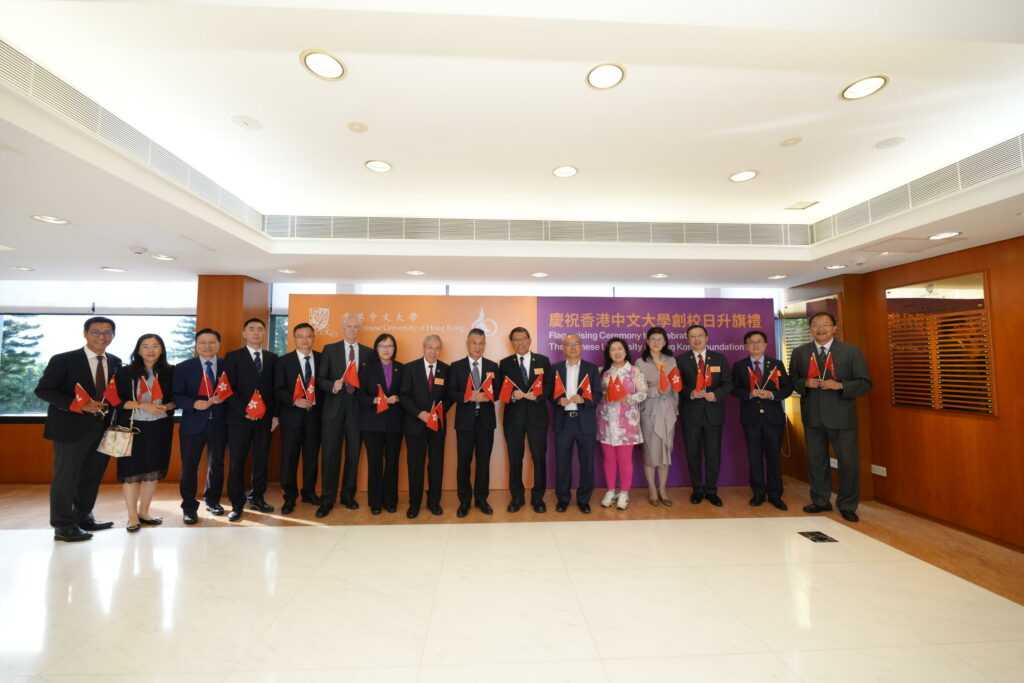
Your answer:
<point x="78" y="467"/>
<point x="202" y="425"/>
<point x="300" y="418"/>
<point x="526" y="418"/>
<point x="474" y="422"/>
<point x="828" y="407"/>
<point x="703" y="412"/>
<point x="249" y="369"/>
<point x="762" y="384"/>
<point x="575" y="422"/>
<point x="340" y="417"/>
<point x="424" y="385"/>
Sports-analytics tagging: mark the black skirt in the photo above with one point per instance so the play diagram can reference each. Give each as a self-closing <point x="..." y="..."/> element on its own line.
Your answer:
<point x="151" y="452"/>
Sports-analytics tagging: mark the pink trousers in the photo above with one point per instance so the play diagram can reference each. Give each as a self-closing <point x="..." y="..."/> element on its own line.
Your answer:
<point x="618" y="458"/>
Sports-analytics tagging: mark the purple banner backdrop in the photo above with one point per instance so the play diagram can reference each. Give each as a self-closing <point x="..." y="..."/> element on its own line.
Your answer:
<point x="596" y="320"/>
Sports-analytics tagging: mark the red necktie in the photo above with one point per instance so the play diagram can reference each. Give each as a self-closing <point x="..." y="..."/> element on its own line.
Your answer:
<point x="757" y="371"/>
<point x="100" y="379"/>
<point x="700" y="365"/>
<point x="430" y="377"/>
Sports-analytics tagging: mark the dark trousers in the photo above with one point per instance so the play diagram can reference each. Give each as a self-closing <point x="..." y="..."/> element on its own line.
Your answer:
<point x="478" y="441"/>
<point x="299" y="442"/>
<point x="703" y="442"/>
<point x="78" y="469"/>
<point x="343" y="431"/>
<point x="254" y="433"/>
<point x="764" y="451"/>
<point x="417" y="450"/>
<point x="515" y="439"/>
<point x="382" y="452"/>
<point x="844" y="442"/>
<point x="213" y="437"/>
<point x="570" y="434"/>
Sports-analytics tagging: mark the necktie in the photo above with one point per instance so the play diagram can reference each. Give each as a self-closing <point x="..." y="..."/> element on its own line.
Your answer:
<point x="700" y="364"/>
<point x="100" y="379"/>
<point x="209" y="374"/>
<point x="757" y="371"/>
<point x="307" y="372"/>
<point x="430" y="377"/>
<point x="476" y="380"/>
<point x="525" y="374"/>
<point x="257" y="362"/>
<point x="351" y="359"/>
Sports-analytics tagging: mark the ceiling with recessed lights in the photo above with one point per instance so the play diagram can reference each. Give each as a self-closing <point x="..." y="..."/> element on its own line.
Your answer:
<point x="462" y="111"/>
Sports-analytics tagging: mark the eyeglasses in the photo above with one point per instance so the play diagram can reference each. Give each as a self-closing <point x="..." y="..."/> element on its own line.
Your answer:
<point x="821" y="326"/>
<point x="385" y="346"/>
<point x="756" y="341"/>
<point x="659" y="340"/>
<point x="109" y="334"/>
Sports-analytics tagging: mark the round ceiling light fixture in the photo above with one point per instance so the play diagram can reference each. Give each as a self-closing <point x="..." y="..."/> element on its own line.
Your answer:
<point x="864" y="87"/>
<point x="659" y="276"/>
<point x="414" y="272"/>
<point x="163" y="257"/>
<point x="51" y="219"/>
<point x="779" y="276"/>
<point x="789" y="142"/>
<point x="112" y="269"/>
<point x="565" y="171"/>
<point x="538" y="274"/>
<point x="23" y="268"/>
<point x="287" y="271"/>
<point x="943" y="235"/>
<point x="357" y="126"/>
<point x="743" y="176"/>
<point x="835" y="266"/>
<point x="605" y="76"/>
<point x="889" y="143"/>
<point x="378" y="166"/>
<point x="323" y="65"/>
<point x="246" y="122"/>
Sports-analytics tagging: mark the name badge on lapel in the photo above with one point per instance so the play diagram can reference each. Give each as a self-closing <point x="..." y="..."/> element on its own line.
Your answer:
<point x="439" y="381"/>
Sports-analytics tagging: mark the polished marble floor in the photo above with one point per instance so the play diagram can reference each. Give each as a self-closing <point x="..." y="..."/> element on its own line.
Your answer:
<point x="632" y="600"/>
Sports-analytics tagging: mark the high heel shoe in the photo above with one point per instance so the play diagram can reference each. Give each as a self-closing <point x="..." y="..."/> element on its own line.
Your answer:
<point x="653" y="501"/>
<point x="665" y="500"/>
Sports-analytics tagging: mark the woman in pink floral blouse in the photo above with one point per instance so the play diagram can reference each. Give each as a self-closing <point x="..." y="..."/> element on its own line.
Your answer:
<point x="618" y="420"/>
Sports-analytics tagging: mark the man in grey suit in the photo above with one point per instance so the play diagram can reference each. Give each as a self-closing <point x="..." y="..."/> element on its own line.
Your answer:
<point x="828" y="403"/>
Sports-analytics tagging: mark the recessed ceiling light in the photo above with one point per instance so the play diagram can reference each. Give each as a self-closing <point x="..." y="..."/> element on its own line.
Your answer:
<point x="52" y="219"/>
<point x="565" y="171"/>
<point x="789" y="142"/>
<point x="604" y="76"/>
<point x="163" y="257"/>
<point x="659" y="276"/>
<point x="836" y="266"/>
<point x="357" y="126"/>
<point x="323" y="65"/>
<point x="414" y="272"/>
<point x="800" y="206"/>
<point x="889" y="143"/>
<point x="943" y="235"/>
<point x="26" y="268"/>
<point x="112" y="269"/>
<point x="246" y="122"/>
<point x="885" y="253"/>
<point x="287" y="271"/>
<point x="864" y="87"/>
<point x="777" y="277"/>
<point x="378" y="166"/>
<point x="743" y="176"/>
<point x="539" y="274"/>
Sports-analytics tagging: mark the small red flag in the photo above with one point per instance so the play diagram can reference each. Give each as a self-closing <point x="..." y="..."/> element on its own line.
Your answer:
<point x="432" y="422"/>
<point x="675" y="379"/>
<point x="256" y="408"/>
<point x="774" y="377"/>
<point x="439" y="411"/>
<point x="584" y="389"/>
<point x="382" y="400"/>
<point x="110" y="393"/>
<point x="299" y="391"/>
<point x="753" y="379"/>
<point x="662" y="378"/>
<point x="469" y="390"/>
<point x="81" y="398"/>
<point x="812" y="370"/>
<point x="538" y="386"/>
<point x="506" y="390"/>
<point x="311" y="390"/>
<point x="616" y="391"/>
<point x="224" y="387"/>
<point x="204" y="387"/>
<point x="828" y="366"/>
<point x="351" y="375"/>
<point x="704" y="380"/>
<point x="559" y="387"/>
<point x="156" y="392"/>
<point x="488" y="387"/>
<point x="143" y="387"/>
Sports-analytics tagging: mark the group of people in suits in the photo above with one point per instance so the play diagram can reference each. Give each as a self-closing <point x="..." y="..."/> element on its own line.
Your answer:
<point x="331" y="404"/>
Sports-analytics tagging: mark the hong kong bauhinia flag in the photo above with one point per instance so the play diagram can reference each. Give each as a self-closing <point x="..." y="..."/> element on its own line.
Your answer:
<point x="256" y="408"/>
<point x="81" y="398"/>
<point x="382" y="400"/>
<point x="675" y="379"/>
<point x="224" y="387"/>
<point x="488" y="387"/>
<point x="584" y="389"/>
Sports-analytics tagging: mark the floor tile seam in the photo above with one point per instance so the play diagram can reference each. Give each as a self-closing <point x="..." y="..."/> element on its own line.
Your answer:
<point x="729" y="607"/>
<point x="433" y="603"/>
<point x="964" y="661"/>
<point x="579" y="602"/>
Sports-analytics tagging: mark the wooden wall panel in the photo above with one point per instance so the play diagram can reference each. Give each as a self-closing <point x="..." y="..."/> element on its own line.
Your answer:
<point x="226" y="301"/>
<point x="967" y="470"/>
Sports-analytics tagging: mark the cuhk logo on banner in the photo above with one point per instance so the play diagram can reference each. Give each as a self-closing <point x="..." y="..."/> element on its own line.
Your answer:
<point x="488" y="325"/>
<point x="319" y="317"/>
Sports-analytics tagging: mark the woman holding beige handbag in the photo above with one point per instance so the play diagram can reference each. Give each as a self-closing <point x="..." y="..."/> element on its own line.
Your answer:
<point x="141" y="386"/>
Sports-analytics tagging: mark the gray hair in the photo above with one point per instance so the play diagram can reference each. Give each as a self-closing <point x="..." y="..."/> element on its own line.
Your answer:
<point x="432" y="337"/>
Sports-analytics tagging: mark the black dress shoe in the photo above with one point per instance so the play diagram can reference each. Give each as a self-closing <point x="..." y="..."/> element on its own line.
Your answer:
<point x="93" y="525"/>
<point x="514" y="506"/>
<point x="757" y="500"/>
<point x="323" y="510"/>
<point x="191" y="518"/>
<point x="778" y="503"/>
<point x="70" y="534"/>
<point x="391" y="508"/>
<point x="540" y="507"/>
<point x="812" y="508"/>
<point x="261" y="505"/>
<point x="288" y="507"/>
<point x="463" y="510"/>
<point x="561" y="507"/>
<point x="849" y="515"/>
<point x="234" y="515"/>
<point x="713" y="499"/>
<point x="375" y="511"/>
<point x="412" y="513"/>
<point x="350" y="504"/>
<point x="484" y="507"/>
<point x="438" y="510"/>
<point x="585" y="508"/>
<point x="312" y="500"/>
<point x="216" y="509"/>
<point x="696" y="498"/>
<point x="156" y="521"/>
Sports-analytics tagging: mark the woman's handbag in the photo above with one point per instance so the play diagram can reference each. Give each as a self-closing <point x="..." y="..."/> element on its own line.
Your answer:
<point x="117" y="440"/>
